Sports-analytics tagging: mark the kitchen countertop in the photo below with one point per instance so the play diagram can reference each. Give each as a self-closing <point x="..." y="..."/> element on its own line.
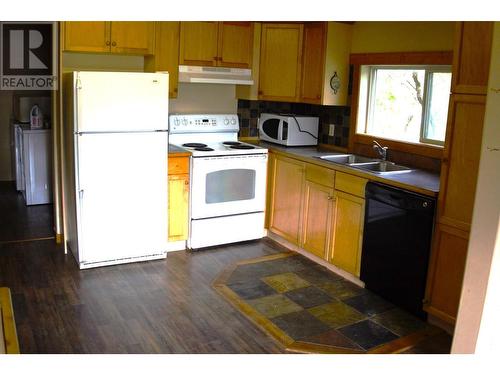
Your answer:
<point x="177" y="151"/>
<point x="417" y="180"/>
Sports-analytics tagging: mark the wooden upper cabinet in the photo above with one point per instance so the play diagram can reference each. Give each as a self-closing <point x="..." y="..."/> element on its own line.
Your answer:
<point x="135" y="38"/>
<point x="472" y="55"/>
<point x="461" y="160"/>
<point x="235" y="45"/>
<point x="166" y="54"/>
<point x="132" y="37"/>
<point x="87" y="36"/>
<point x="280" y="61"/>
<point x="228" y="44"/>
<point x="198" y="45"/>
<point x="313" y="62"/>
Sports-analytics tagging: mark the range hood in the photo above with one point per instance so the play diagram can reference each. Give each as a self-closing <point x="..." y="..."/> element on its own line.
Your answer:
<point x="211" y="74"/>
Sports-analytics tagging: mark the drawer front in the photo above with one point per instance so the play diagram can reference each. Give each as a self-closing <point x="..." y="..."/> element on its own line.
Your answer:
<point x="178" y="165"/>
<point x="320" y="175"/>
<point x="350" y="184"/>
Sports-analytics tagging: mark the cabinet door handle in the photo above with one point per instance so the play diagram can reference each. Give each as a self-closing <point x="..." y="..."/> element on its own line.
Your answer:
<point x="108" y="42"/>
<point x="113" y="44"/>
<point x="330" y="198"/>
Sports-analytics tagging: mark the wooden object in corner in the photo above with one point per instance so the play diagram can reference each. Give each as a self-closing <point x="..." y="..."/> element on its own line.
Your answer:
<point x="459" y="169"/>
<point x="9" y="343"/>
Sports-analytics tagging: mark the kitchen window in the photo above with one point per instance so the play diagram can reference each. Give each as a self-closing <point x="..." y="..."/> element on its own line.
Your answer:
<point x="404" y="103"/>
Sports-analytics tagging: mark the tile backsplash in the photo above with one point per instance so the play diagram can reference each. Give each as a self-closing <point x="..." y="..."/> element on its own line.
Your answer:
<point x="250" y="110"/>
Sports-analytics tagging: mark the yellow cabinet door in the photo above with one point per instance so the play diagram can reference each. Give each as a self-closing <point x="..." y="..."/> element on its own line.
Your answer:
<point x="349" y="216"/>
<point x="132" y="37"/>
<point x="471" y="57"/>
<point x="166" y="55"/>
<point x="317" y="218"/>
<point x="178" y="198"/>
<point x="446" y="271"/>
<point x="461" y="160"/>
<point x="87" y="36"/>
<point x="235" y="45"/>
<point x="198" y="45"/>
<point x="280" y="61"/>
<point x="286" y="201"/>
<point x="313" y="62"/>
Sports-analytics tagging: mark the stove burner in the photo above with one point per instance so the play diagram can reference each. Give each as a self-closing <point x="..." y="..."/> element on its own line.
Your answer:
<point x="203" y="149"/>
<point x="242" y="147"/>
<point x="231" y="143"/>
<point x="194" y="145"/>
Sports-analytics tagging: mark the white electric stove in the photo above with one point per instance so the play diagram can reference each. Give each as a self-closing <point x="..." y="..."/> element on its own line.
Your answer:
<point x="228" y="180"/>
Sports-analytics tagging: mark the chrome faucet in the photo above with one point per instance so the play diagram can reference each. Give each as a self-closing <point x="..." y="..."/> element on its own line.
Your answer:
<point x="381" y="150"/>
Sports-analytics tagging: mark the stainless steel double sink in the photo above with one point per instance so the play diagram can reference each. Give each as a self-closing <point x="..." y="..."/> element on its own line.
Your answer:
<point x="367" y="164"/>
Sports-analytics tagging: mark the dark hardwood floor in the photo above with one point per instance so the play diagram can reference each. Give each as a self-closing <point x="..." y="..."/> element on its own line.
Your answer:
<point x="165" y="306"/>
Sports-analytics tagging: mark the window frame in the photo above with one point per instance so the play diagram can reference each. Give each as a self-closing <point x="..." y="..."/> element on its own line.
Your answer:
<point x="429" y="70"/>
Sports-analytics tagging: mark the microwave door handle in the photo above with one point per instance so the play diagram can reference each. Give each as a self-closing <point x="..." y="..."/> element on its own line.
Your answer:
<point x="280" y="130"/>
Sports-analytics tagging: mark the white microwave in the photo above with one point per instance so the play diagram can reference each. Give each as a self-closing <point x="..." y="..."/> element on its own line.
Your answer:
<point x="288" y="130"/>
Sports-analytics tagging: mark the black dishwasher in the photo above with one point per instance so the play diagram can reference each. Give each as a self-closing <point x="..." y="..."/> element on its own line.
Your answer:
<point x="396" y="245"/>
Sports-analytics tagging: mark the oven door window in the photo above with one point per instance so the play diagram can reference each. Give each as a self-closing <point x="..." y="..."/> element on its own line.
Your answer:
<point x="230" y="185"/>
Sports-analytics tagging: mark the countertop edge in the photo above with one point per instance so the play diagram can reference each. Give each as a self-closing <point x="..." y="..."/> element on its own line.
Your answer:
<point x="356" y="172"/>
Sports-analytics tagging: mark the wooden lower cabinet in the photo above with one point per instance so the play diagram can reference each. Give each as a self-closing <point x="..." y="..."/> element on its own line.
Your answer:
<point x="348" y="221"/>
<point x="286" y="200"/>
<point x="317" y="214"/>
<point x="307" y="210"/>
<point x="178" y="198"/>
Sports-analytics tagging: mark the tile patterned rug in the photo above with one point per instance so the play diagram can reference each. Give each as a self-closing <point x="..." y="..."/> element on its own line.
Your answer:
<point x="310" y="309"/>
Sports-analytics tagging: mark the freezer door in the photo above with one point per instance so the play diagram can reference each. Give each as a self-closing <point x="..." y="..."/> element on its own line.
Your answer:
<point x="123" y="201"/>
<point x="118" y="101"/>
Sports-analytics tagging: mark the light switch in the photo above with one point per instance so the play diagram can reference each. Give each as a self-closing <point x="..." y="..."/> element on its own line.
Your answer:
<point x="331" y="130"/>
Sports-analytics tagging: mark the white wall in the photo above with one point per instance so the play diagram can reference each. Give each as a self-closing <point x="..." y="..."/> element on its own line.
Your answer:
<point x="5" y="136"/>
<point x="482" y="286"/>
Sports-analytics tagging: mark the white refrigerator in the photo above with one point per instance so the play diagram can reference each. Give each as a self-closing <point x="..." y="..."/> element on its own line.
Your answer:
<point x="115" y="167"/>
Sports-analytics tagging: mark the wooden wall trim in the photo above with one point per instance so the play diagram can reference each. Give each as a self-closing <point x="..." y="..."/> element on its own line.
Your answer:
<point x="403" y="58"/>
<point x="431" y="151"/>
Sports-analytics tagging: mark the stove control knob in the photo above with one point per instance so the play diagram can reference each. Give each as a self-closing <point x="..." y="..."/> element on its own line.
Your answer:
<point x="233" y="121"/>
<point x="177" y="121"/>
<point x="184" y="121"/>
<point x="226" y="121"/>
